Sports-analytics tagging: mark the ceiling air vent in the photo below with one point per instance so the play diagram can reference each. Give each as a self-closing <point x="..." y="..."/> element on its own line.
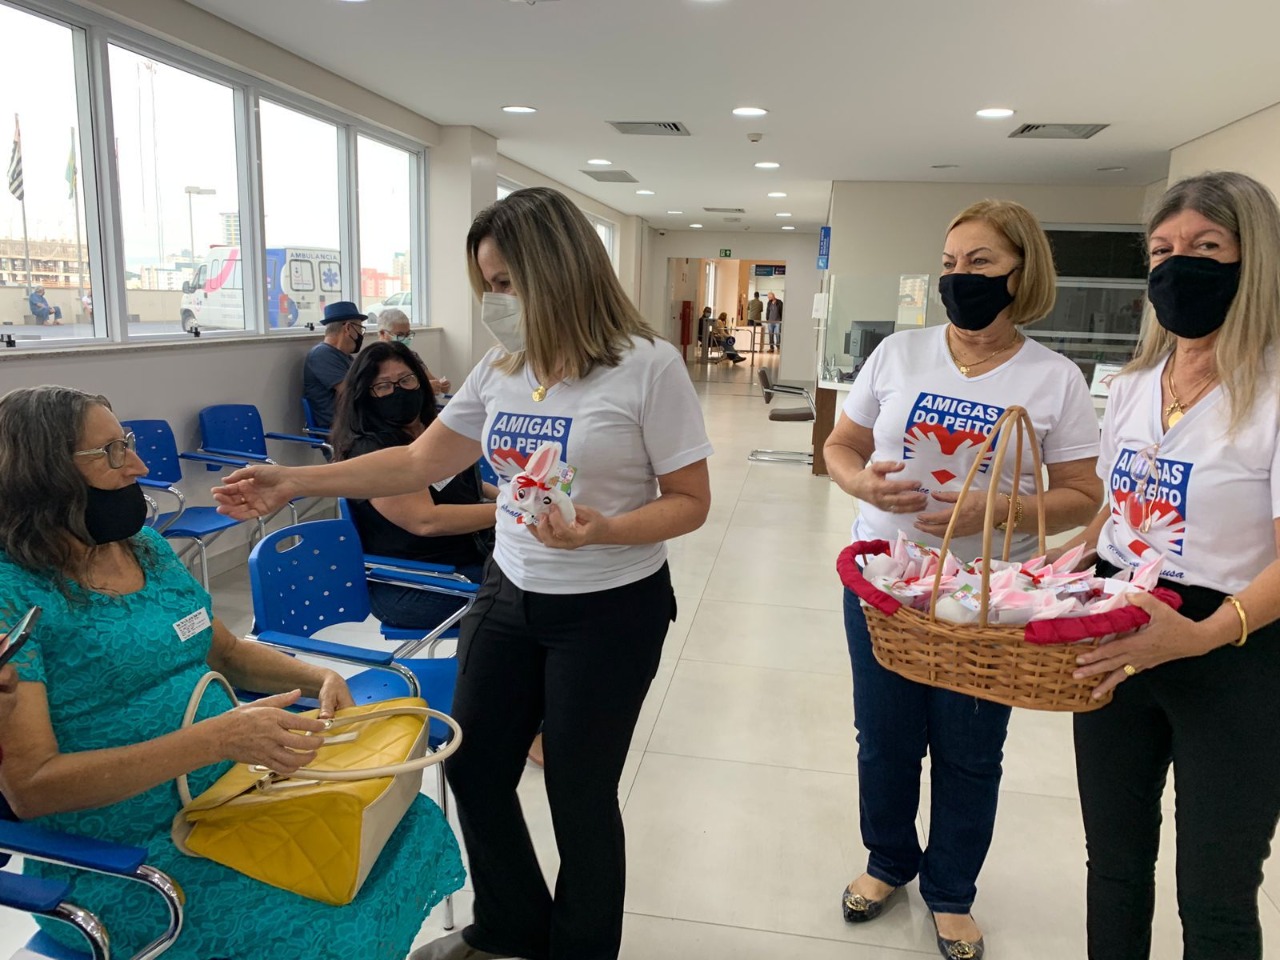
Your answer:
<point x="650" y="128"/>
<point x="732" y="219"/>
<point x="1057" y="131"/>
<point x="611" y="176"/>
<point x="724" y="210"/>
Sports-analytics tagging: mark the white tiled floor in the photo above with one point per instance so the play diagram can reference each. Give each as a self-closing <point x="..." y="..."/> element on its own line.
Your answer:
<point x="740" y="793"/>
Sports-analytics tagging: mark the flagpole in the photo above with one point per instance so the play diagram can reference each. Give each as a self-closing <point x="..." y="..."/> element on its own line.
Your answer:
<point x="26" y="242"/>
<point x="75" y="212"/>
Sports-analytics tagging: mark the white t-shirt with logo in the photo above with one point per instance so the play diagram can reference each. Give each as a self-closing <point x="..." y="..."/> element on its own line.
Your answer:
<point x="620" y="428"/>
<point x="1209" y="497"/>
<point x="927" y="415"/>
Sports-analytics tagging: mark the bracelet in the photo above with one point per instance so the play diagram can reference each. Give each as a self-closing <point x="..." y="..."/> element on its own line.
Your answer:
<point x="1244" y="621"/>
<point x="1016" y="503"/>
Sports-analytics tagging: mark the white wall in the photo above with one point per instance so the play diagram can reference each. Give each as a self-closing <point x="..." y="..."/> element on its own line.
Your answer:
<point x="800" y="251"/>
<point x="1250" y="145"/>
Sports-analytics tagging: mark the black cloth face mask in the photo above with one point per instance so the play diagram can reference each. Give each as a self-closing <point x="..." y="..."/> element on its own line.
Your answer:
<point x="111" y="515"/>
<point x="974" y="300"/>
<point x="1193" y="294"/>
<point x="400" y="408"/>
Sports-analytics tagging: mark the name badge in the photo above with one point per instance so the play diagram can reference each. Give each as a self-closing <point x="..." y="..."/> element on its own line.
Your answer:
<point x="192" y="624"/>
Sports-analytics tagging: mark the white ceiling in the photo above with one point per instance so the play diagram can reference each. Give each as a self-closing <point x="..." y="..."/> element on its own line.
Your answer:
<point x="855" y="90"/>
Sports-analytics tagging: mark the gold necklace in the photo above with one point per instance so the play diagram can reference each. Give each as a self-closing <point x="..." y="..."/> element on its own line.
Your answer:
<point x="1176" y="410"/>
<point x="966" y="367"/>
<point x="539" y="393"/>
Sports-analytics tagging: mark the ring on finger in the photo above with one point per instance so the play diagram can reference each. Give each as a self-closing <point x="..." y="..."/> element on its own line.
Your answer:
<point x="1129" y="670"/>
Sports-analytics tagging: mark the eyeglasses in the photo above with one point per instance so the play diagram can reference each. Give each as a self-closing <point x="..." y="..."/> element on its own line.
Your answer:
<point x="1144" y="468"/>
<point x="116" y="451"/>
<point x="384" y="388"/>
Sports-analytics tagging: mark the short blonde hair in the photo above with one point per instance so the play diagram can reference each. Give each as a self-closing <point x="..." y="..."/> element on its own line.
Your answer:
<point x="1038" y="278"/>
<point x="1244" y="206"/>
<point x="576" y="314"/>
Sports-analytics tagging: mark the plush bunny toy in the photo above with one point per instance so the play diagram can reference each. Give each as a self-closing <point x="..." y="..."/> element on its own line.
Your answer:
<point x="534" y="490"/>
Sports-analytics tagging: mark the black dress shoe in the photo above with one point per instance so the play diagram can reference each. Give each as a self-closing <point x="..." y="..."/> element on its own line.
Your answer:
<point x="959" y="949"/>
<point x="860" y="909"/>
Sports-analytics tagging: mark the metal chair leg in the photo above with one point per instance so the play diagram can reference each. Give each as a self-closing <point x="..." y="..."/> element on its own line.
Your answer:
<point x="204" y="563"/>
<point x="444" y="808"/>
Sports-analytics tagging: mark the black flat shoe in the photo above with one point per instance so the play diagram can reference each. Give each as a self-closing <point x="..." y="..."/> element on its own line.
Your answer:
<point x="860" y="909"/>
<point x="959" y="949"/>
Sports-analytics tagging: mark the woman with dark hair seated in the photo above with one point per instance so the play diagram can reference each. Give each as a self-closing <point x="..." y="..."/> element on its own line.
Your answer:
<point x="387" y="401"/>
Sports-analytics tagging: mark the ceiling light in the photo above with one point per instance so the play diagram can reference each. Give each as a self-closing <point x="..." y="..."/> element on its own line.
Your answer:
<point x="1112" y="169"/>
<point x="519" y="109"/>
<point x="788" y="228"/>
<point x="749" y="111"/>
<point x="600" y="163"/>
<point x="675" y="213"/>
<point x="777" y="194"/>
<point x="767" y="165"/>
<point x="945" y="166"/>
<point x="695" y="226"/>
<point x="995" y="113"/>
<point x="782" y="214"/>
<point x="644" y="193"/>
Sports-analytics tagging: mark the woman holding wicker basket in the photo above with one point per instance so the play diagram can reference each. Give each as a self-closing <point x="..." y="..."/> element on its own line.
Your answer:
<point x="907" y="436"/>
<point x="1191" y="457"/>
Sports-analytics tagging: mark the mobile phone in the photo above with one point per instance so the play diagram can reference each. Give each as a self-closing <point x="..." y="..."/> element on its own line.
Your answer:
<point x="19" y="634"/>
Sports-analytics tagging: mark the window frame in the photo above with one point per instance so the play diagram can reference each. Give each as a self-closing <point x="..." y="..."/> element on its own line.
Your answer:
<point x="92" y="34"/>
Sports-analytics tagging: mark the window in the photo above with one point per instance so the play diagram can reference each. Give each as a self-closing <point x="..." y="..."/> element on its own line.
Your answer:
<point x="607" y="232"/>
<point x="386" y="176"/>
<point x="43" y="235"/>
<point x="301" y="216"/>
<point x="175" y="136"/>
<point x="506" y="187"/>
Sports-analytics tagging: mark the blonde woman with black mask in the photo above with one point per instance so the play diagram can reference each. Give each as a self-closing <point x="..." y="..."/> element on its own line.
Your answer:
<point x="569" y="624"/>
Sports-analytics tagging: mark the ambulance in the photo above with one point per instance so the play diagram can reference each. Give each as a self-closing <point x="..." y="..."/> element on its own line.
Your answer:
<point x="300" y="281"/>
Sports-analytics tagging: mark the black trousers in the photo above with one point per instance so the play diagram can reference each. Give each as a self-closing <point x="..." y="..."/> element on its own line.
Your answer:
<point x="1216" y="720"/>
<point x="580" y="665"/>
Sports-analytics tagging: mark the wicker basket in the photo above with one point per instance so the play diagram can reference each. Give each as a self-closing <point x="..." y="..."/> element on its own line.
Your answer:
<point x="1020" y="666"/>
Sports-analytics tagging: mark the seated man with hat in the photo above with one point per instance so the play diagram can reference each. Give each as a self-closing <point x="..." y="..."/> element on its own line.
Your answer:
<point x="328" y="362"/>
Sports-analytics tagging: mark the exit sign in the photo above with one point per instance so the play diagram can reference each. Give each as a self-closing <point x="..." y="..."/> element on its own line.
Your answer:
<point x="725" y="253"/>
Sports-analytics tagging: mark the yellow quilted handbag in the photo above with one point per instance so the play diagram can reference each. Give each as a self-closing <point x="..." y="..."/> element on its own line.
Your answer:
<point x="317" y="832"/>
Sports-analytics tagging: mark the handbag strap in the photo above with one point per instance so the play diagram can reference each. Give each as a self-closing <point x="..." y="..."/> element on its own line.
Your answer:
<point x="189" y="716"/>
<point x="385" y="770"/>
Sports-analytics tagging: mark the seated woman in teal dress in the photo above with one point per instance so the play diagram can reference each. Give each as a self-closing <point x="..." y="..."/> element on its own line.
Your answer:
<point x="94" y="740"/>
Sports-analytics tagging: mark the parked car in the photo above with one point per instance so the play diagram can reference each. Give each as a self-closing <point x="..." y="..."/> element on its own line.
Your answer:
<point x="403" y="301"/>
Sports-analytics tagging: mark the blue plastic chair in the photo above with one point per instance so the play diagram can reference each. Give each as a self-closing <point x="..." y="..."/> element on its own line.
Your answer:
<point x="200" y="525"/>
<point x="235" y="430"/>
<point x="310" y="427"/>
<point x="314" y="575"/>
<point x="48" y="898"/>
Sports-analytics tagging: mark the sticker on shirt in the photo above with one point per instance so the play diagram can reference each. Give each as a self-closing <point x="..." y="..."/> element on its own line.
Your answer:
<point x="942" y="438"/>
<point x="1149" y="501"/>
<point x="192" y="624"/>
<point x="510" y="445"/>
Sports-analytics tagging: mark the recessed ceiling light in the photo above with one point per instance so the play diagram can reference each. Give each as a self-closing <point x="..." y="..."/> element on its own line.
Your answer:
<point x="995" y="113"/>
<point x="945" y="166"/>
<point x="695" y="226"/>
<point x="749" y="111"/>
<point x="644" y="193"/>
<point x="767" y="165"/>
<point x="519" y="109"/>
<point x="788" y="227"/>
<point x="777" y="194"/>
<point x="600" y="163"/>
<point x="1112" y="169"/>
<point x="782" y="214"/>
<point x="675" y="213"/>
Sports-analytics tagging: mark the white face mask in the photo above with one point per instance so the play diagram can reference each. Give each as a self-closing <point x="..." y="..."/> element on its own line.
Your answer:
<point x="500" y="314"/>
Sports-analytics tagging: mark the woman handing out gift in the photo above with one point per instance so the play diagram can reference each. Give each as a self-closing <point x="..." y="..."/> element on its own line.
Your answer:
<point x="908" y="434"/>
<point x="1191" y="459"/>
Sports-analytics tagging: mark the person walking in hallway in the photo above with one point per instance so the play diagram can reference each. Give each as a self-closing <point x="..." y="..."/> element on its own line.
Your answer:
<point x="773" y="320"/>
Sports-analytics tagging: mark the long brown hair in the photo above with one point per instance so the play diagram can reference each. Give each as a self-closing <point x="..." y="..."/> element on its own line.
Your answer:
<point x="1244" y="206"/>
<point x="576" y="314"/>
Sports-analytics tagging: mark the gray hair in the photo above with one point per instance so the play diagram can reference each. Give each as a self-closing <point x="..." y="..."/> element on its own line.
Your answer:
<point x="391" y="316"/>
<point x="42" y="493"/>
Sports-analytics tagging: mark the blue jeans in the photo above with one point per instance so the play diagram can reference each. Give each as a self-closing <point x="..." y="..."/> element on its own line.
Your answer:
<point x="897" y="721"/>
<point x="410" y="609"/>
<point x="774" y="330"/>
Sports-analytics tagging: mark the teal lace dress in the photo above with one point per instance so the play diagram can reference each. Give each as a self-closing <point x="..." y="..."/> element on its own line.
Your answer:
<point x="116" y="672"/>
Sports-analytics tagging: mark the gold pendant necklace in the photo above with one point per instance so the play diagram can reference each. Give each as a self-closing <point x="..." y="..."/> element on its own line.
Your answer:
<point x="966" y="367"/>
<point x="539" y="393"/>
<point x="1176" y="410"/>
